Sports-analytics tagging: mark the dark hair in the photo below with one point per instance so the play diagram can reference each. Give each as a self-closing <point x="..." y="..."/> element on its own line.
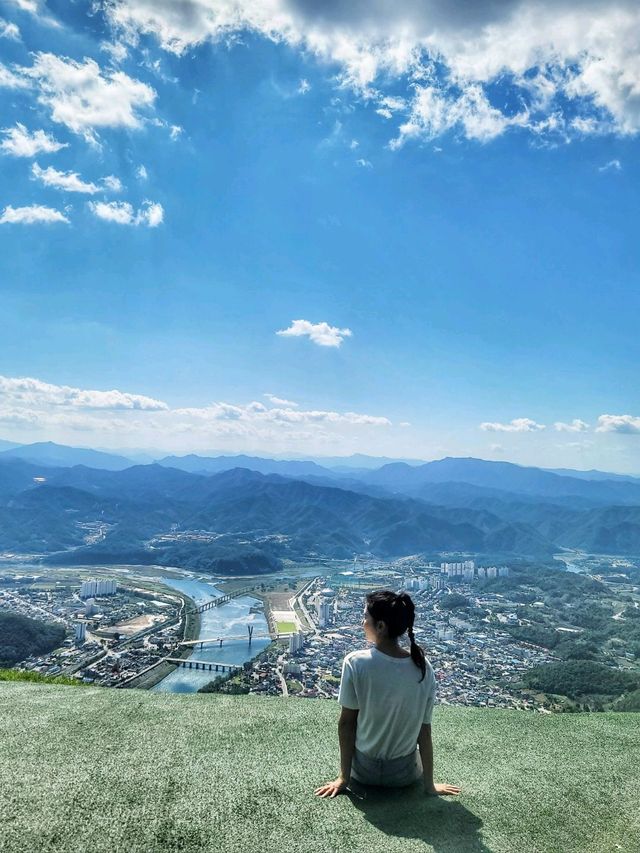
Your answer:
<point x="397" y="611"/>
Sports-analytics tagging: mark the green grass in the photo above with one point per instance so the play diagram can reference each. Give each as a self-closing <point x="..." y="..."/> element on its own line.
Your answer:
<point x="127" y="771"/>
<point x="286" y="627"/>
<point x="20" y="675"/>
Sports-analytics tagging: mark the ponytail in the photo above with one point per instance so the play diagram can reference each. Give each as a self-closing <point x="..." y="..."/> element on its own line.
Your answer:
<point x="417" y="654"/>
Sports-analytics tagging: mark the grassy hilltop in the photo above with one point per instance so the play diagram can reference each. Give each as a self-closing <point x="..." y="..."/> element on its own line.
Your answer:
<point x="127" y="771"/>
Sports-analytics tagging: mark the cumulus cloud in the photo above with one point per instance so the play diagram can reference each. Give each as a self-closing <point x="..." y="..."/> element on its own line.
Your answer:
<point x="571" y="66"/>
<point x="516" y="425"/>
<point x="576" y="425"/>
<point x="69" y="181"/>
<point x="278" y="401"/>
<point x="320" y="333"/>
<point x="20" y="143"/>
<point x="150" y="214"/>
<point x="84" y="98"/>
<point x="258" y="412"/>
<point x="9" y="31"/>
<point x="618" y="423"/>
<point x="29" y="403"/>
<point x="31" y="215"/>
<point x="33" y="392"/>
<point x="10" y="80"/>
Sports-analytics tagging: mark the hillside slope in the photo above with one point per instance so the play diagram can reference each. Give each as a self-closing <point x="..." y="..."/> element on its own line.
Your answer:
<point x="124" y="770"/>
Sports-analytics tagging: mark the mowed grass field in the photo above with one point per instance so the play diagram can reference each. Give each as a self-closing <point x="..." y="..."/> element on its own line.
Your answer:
<point x="127" y="771"/>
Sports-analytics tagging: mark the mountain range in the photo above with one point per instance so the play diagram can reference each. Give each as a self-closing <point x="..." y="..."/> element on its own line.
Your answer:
<point x="253" y="512"/>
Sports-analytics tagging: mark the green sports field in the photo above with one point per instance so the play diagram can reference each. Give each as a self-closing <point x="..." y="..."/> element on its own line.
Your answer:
<point x="106" y="771"/>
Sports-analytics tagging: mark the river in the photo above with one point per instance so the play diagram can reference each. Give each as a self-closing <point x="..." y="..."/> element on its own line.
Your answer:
<point x="228" y="620"/>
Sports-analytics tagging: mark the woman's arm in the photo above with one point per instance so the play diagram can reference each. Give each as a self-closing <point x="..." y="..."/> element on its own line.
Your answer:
<point x="347" y="726"/>
<point x="425" y="746"/>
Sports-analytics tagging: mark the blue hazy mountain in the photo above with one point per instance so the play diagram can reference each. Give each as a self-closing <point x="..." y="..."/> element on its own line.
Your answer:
<point x="215" y="464"/>
<point x="401" y="478"/>
<point x="258" y="519"/>
<point x="592" y="474"/>
<point x="51" y="454"/>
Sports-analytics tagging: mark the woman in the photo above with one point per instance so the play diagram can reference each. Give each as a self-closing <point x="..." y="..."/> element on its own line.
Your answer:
<point x="387" y="696"/>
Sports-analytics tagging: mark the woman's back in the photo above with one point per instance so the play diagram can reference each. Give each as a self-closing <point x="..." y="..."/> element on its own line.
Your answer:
<point x="392" y="700"/>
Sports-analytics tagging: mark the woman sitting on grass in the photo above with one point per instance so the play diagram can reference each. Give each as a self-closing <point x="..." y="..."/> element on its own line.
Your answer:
<point x="387" y="696"/>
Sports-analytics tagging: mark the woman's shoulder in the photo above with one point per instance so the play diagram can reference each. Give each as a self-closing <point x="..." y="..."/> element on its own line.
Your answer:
<point x="356" y="657"/>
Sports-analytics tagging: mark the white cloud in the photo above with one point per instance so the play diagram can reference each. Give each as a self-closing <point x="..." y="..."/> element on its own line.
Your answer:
<point x="175" y="131"/>
<point x="150" y="214"/>
<point x="576" y="425"/>
<point x="10" y="80"/>
<point x="69" y="181"/>
<point x="258" y="412"/>
<point x="516" y="425"/>
<point x="304" y="87"/>
<point x="20" y="143"/>
<point x="618" y="423"/>
<point x="278" y="401"/>
<point x="9" y="31"/>
<point x="112" y="183"/>
<point x="141" y="173"/>
<point x="116" y="50"/>
<point x="120" y="212"/>
<point x="34" y="392"/>
<point x="320" y="333"/>
<point x="57" y="410"/>
<point x="611" y="166"/>
<point x="30" y="6"/>
<point x="364" y="164"/>
<point x="72" y="182"/>
<point x="84" y="98"/>
<point x="31" y="215"/>
<point x="572" y="61"/>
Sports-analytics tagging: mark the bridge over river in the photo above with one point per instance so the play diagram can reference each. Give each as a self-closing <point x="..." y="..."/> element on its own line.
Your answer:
<point x="222" y="599"/>
<point x="220" y="640"/>
<point x="210" y="665"/>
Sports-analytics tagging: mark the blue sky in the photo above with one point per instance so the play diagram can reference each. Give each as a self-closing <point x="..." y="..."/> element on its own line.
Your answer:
<point x="216" y="180"/>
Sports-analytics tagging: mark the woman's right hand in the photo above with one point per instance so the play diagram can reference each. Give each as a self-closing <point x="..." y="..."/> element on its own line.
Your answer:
<point x="442" y="788"/>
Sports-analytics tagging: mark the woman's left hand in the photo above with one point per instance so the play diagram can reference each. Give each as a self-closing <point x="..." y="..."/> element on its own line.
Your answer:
<point x="331" y="789"/>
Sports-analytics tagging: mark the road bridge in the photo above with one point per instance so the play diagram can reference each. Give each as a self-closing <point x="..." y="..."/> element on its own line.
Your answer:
<point x="220" y="640"/>
<point x="222" y="599"/>
<point x="211" y="666"/>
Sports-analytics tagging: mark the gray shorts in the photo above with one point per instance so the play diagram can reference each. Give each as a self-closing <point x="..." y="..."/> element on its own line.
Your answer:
<point x="389" y="772"/>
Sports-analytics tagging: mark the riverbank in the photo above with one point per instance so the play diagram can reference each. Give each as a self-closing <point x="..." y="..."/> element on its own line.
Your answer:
<point x="190" y="630"/>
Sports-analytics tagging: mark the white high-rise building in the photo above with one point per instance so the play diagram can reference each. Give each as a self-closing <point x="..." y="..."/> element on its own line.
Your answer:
<point x="91" y="588"/>
<point x="296" y="642"/>
<point x="89" y="606"/>
<point x="324" y="610"/>
<point x="81" y="632"/>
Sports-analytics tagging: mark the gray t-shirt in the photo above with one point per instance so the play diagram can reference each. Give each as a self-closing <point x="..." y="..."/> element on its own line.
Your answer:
<point x="392" y="701"/>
